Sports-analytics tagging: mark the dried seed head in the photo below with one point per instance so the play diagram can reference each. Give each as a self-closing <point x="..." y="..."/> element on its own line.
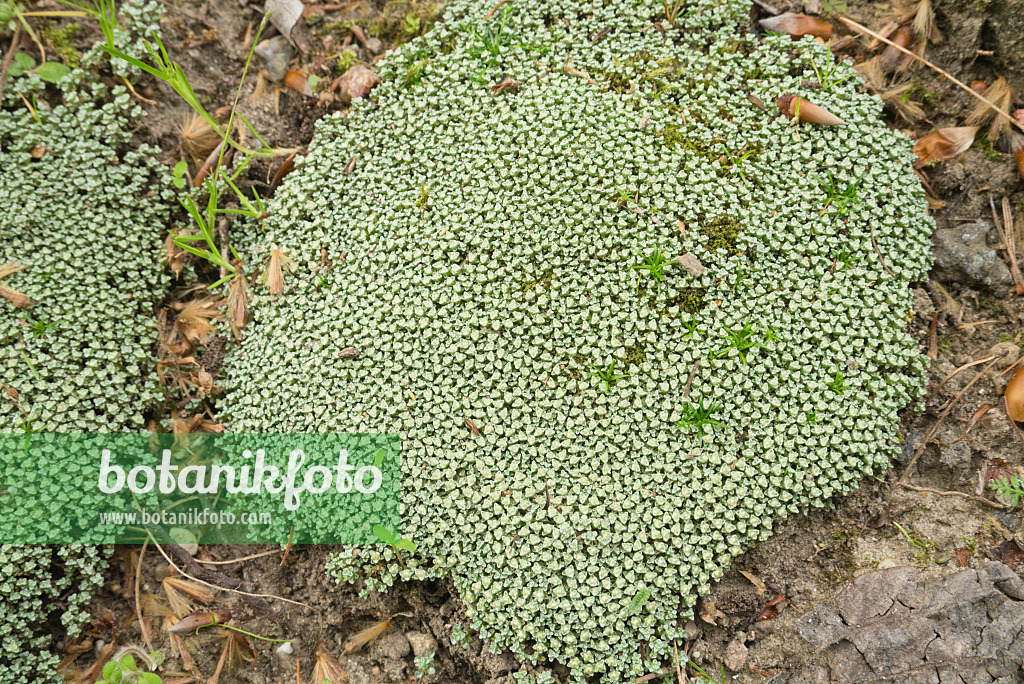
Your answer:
<point x="327" y="668"/>
<point x="197" y="136"/>
<point x="1001" y="96"/>
<point x="943" y="144"/>
<point x="797" y="108"/>
<point x="238" y="301"/>
<point x="278" y="264"/>
<point x="195" y="322"/>
<point x="364" y="637"/>
<point x="798" y="25"/>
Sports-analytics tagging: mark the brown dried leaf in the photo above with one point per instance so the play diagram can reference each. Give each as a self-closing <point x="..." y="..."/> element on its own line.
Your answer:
<point x="797" y="25"/>
<point x="38" y="151"/>
<point x="327" y="668"/>
<point x="1010" y="552"/>
<point x="758" y="584"/>
<point x="16" y="298"/>
<point x="978" y="415"/>
<point x="287" y="166"/>
<point x="298" y="80"/>
<point x="710" y="613"/>
<point x="771" y="610"/>
<point x="943" y="145"/>
<point x="191" y="623"/>
<point x="963" y="556"/>
<point x="1014" y="396"/>
<point x="472" y="427"/>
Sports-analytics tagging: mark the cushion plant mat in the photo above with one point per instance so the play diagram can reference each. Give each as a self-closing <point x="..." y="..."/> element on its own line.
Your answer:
<point x="590" y="432"/>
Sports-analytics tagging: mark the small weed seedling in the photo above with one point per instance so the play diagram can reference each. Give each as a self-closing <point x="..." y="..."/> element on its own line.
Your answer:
<point x="741" y="340"/>
<point x="123" y="669"/>
<point x="493" y="38"/>
<point x="838" y="383"/>
<point x="842" y="200"/>
<point x="827" y="74"/>
<point x="607" y="375"/>
<point x="1011" y="488"/>
<point x="697" y="417"/>
<point x="39" y="328"/>
<point x="846" y="258"/>
<point x="691" y="326"/>
<point x="923" y="548"/>
<point x="735" y="160"/>
<point x="654" y="263"/>
<point x="394" y="541"/>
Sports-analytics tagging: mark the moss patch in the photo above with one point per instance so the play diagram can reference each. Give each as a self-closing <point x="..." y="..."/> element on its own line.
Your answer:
<point x="722" y="233"/>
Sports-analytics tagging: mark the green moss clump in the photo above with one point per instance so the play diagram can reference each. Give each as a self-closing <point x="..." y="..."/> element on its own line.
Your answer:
<point x="722" y="233"/>
<point x="689" y="299"/>
<point x="62" y="41"/>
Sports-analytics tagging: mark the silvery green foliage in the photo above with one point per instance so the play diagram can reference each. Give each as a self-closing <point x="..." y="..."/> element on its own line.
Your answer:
<point x="43" y="587"/>
<point x="86" y="220"/>
<point x="483" y="253"/>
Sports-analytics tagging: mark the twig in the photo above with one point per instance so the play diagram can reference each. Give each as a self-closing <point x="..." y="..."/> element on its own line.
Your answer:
<point x="238" y="560"/>
<point x="767" y="8"/>
<point x="933" y="338"/>
<point x="880" y="259"/>
<point x="965" y="367"/>
<point x="495" y="9"/>
<point x="689" y="380"/>
<point x="136" y="94"/>
<point x="971" y="497"/>
<point x="679" y="668"/>
<point x="143" y="627"/>
<point x="931" y="433"/>
<point x="7" y="59"/>
<point x="1006" y="234"/>
<point x="259" y="603"/>
<point x="864" y="29"/>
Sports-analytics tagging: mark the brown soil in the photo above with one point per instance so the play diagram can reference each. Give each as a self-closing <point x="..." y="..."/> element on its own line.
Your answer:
<point x="809" y="557"/>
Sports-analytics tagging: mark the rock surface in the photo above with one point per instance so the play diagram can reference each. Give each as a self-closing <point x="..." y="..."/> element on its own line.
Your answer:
<point x="890" y="627"/>
<point x="963" y="255"/>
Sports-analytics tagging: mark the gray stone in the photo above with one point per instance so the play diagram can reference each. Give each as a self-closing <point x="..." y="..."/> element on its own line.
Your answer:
<point x="889" y="626"/>
<point x="735" y="655"/>
<point x="691" y="264"/>
<point x="393" y="645"/>
<point x="421" y="643"/>
<point x="962" y="255"/>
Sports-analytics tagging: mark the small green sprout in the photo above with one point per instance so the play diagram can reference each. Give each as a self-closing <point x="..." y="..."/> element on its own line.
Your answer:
<point x="638" y="602"/>
<point x="697" y="417"/>
<point x="1011" y="488"/>
<point x="827" y="74"/>
<point x="838" y="383"/>
<point x="741" y="340"/>
<point x="424" y="665"/>
<point x="123" y="669"/>
<point x="39" y="328"/>
<point x="394" y="541"/>
<point x="842" y="200"/>
<point x="654" y="263"/>
<point x="607" y="375"/>
<point x="846" y="258"/>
